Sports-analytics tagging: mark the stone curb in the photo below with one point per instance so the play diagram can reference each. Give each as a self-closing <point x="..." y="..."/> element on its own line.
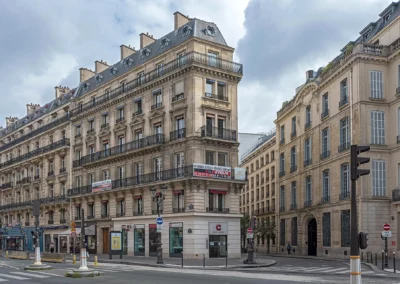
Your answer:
<point x="376" y="269"/>
<point x="302" y="257"/>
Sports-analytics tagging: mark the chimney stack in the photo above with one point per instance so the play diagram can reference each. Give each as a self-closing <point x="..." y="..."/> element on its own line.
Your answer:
<point x="31" y="108"/>
<point x="60" y="91"/>
<point x="180" y="20"/>
<point x="146" y="39"/>
<point x="309" y="74"/>
<point x="85" y="74"/>
<point x="100" y="66"/>
<point x="10" y="121"/>
<point x="126" y="51"/>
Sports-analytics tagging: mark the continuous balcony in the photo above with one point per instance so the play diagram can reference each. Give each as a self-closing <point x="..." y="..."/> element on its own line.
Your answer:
<point x="177" y="134"/>
<point x="217" y="210"/>
<point x="156" y="139"/>
<point x="344" y="146"/>
<point x="344" y="101"/>
<point x="28" y="203"/>
<point x="219" y="133"/>
<point x="216" y="97"/>
<point x="191" y="58"/>
<point x="37" y="152"/>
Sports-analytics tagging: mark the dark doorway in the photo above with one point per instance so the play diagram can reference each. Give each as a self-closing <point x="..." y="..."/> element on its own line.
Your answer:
<point x="312" y="237"/>
<point x="106" y="240"/>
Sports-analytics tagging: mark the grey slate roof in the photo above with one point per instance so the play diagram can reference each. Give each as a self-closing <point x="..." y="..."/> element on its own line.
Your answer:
<point x="194" y="28"/>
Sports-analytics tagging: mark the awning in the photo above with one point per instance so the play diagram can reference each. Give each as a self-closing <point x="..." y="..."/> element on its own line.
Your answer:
<point x="89" y="231"/>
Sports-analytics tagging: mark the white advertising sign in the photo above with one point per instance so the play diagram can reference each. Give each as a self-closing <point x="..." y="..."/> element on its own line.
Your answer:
<point x="387" y="234"/>
<point x="240" y="173"/>
<point x="217" y="228"/>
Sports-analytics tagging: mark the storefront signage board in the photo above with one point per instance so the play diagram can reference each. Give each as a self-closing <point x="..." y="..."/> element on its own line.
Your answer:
<point x="211" y="171"/>
<point x="102" y="185"/>
<point x="217" y="228"/>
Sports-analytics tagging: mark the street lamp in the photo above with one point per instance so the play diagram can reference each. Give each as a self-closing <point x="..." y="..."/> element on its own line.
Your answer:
<point x="159" y="201"/>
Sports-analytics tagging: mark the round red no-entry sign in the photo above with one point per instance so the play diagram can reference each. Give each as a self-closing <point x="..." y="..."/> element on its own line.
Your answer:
<point x="249" y="230"/>
<point x="386" y="227"/>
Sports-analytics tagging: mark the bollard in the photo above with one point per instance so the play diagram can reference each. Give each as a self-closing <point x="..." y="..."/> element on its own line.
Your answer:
<point x="95" y="261"/>
<point x="226" y="259"/>
<point x="6" y="253"/>
<point x="74" y="259"/>
<point x="376" y="259"/>
<point x="182" y="259"/>
<point x="394" y="262"/>
<point x="383" y="260"/>
<point x="204" y="260"/>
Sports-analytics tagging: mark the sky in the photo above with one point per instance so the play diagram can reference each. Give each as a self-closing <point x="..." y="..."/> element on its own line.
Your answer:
<point x="43" y="43"/>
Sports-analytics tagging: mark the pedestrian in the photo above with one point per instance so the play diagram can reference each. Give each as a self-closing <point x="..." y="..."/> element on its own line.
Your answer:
<point x="51" y="248"/>
<point x="289" y="247"/>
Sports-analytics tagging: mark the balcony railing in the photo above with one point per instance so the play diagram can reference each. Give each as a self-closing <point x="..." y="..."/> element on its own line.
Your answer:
<point x="91" y="131"/>
<point x="157" y="105"/>
<point x="120" y="119"/>
<point x="50" y="174"/>
<point x="26" y="180"/>
<point x="50" y="222"/>
<point x="343" y="101"/>
<point x="282" y="141"/>
<point x="293" y="168"/>
<point x="63" y="170"/>
<point x="344" y="195"/>
<point x="137" y="213"/>
<point x="281" y="173"/>
<point x="307" y="162"/>
<point x="178" y="97"/>
<point x="89" y="217"/>
<point x="178" y="210"/>
<point x="105" y="216"/>
<point x="217" y="97"/>
<point x="37" y="177"/>
<point x="46" y="200"/>
<point x="105" y="125"/>
<point x="6" y="185"/>
<point x="155" y="212"/>
<point x="187" y="60"/>
<point x="177" y="134"/>
<point x="218" y="132"/>
<point x="217" y="210"/>
<point x="293" y="206"/>
<point x="396" y="194"/>
<point x="325" y="199"/>
<point x="37" y="152"/>
<point x="325" y="154"/>
<point x="35" y="132"/>
<point x="325" y="113"/>
<point x="282" y="208"/>
<point x="307" y="125"/>
<point x="138" y="112"/>
<point x="293" y="134"/>
<point x="121" y="214"/>
<point x="308" y="203"/>
<point x="63" y="221"/>
<point x="129" y="146"/>
<point x="344" y="146"/>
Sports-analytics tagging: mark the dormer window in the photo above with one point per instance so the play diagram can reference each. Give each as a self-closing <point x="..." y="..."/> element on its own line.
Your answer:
<point x="210" y="31"/>
<point x="98" y="78"/>
<point x="186" y="30"/>
<point x="165" y="42"/>
<point x="128" y="62"/>
<point x="86" y="85"/>
<point x="366" y="35"/>
<point x="113" y="71"/>
<point x="145" y="52"/>
<point x="386" y="18"/>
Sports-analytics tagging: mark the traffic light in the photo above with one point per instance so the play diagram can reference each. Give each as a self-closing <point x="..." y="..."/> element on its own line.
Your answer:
<point x="363" y="240"/>
<point x="357" y="161"/>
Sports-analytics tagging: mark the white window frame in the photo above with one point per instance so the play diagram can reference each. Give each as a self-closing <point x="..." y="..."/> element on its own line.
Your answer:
<point x="376" y="83"/>
<point x="378" y="178"/>
<point x="378" y="127"/>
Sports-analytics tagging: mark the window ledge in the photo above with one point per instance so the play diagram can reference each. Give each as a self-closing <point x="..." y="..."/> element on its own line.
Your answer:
<point x="377" y="99"/>
<point x="376" y="197"/>
<point x="379" y="145"/>
<point x="344" y="106"/>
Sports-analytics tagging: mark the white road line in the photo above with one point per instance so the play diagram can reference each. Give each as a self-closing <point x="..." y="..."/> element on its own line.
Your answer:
<point x="3" y="280"/>
<point x="334" y="270"/>
<point x="108" y="270"/>
<point x="367" y="272"/>
<point x="51" y="274"/>
<point x="343" y="272"/>
<point x="30" y="274"/>
<point x="13" y="276"/>
<point x="318" y="269"/>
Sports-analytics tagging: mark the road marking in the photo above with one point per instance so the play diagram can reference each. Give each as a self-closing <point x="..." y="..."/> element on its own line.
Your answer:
<point x="343" y="272"/>
<point x="333" y="270"/>
<point x="30" y="274"/>
<point x="107" y="270"/>
<point x="51" y="274"/>
<point x="13" y="276"/>
<point x="316" y="269"/>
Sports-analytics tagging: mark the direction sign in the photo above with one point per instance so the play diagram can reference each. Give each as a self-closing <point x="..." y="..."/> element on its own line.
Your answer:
<point x="386" y="227"/>
<point x="159" y="221"/>
<point x="249" y="230"/>
<point x="250" y="236"/>
<point x="386" y="234"/>
<point x="73" y="234"/>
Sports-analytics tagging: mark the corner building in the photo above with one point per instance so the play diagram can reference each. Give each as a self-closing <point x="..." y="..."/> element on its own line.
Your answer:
<point x="165" y="116"/>
<point x="353" y="100"/>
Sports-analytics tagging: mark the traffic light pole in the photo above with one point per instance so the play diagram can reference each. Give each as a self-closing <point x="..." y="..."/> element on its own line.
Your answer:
<point x="38" y="260"/>
<point x="355" y="265"/>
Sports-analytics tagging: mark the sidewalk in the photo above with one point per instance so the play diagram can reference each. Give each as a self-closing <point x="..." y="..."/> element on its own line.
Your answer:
<point x="210" y="263"/>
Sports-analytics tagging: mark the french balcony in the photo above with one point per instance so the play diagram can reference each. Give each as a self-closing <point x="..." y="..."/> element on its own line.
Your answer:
<point x="398" y="139"/>
<point x="137" y="213"/>
<point x="155" y="212"/>
<point x="50" y="174"/>
<point x="37" y="152"/>
<point x="281" y="173"/>
<point x="217" y="210"/>
<point x="36" y="177"/>
<point x="345" y="195"/>
<point x="50" y="222"/>
<point x="307" y="162"/>
<point x="63" y="221"/>
<point x="216" y="97"/>
<point x="282" y="208"/>
<point x="121" y="214"/>
<point x="90" y="131"/>
<point x="293" y="206"/>
<point x="77" y="218"/>
<point x="78" y="135"/>
<point x="156" y="139"/>
<point x="63" y="170"/>
<point x="325" y="114"/>
<point x="325" y="199"/>
<point x="105" y="125"/>
<point x="219" y="133"/>
<point x="156" y="106"/>
<point x="293" y="168"/>
<point x="138" y="112"/>
<point x="325" y="154"/>
<point x="307" y="125"/>
<point x="26" y="180"/>
<point x="178" y="97"/>
<point x="282" y="141"/>
<point x="103" y="216"/>
<point x="343" y="101"/>
<point x="178" y="210"/>
<point x="120" y="120"/>
<point x="293" y="134"/>
<point x="90" y="217"/>
<point x="27" y="224"/>
<point x="19" y="182"/>
<point x="396" y="194"/>
<point x="344" y="146"/>
<point x="177" y="134"/>
<point x="308" y="203"/>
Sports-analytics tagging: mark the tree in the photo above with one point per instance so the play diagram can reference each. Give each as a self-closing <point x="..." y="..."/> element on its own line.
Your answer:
<point x="244" y="224"/>
<point x="266" y="229"/>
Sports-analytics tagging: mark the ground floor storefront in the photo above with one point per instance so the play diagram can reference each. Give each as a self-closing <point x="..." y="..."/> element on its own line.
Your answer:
<point x="20" y="239"/>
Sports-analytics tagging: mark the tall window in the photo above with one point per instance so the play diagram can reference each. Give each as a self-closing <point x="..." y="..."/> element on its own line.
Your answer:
<point x="398" y="124"/>
<point x="325" y="106"/>
<point x="307" y="151"/>
<point x="210" y="158"/>
<point x="343" y="91"/>
<point x="212" y="58"/>
<point x="141" y="78"/>
<point x="182" y="58"/>
<point x="282" y="134"/>
<point x="378" y="178"/>
<point x="160" y="69"/>
<point x="325" y="143"/>
<point x="325" y="186"/>
<point x="293" y="126"/>
<point x="376" y="85"/>
<point x="293" y="159"/>
<point x="326" y="229"/>
<point x="221" y="90"/>
<point x="344" y="134"/>
<point x="104" y="119"/>
<point x="282" y="198"/>
<point x="308" y="116"/>
<point x="157" y="99"/>
<point x="158" y="167"/>
<point x="282" y="164"/>
<point x="282" y="232"/>
<point x="294" y="231"/>
<point x="209" y="87"/>
<point x="120" y="111"/>
<point x="308" y="190"/>
<point x="91" y="124"/>
<point x="345" y="228"/>
<point x="398" y="76"/>
<point x="377" y="127"/>
<point x="344" y="181"/>
<point x="222" y="160"/>
<point x="158" y="129"/>
<point x="294" y="195"/>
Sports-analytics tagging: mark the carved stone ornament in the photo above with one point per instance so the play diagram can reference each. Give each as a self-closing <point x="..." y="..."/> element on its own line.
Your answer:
<point x="156" y="113"/>
<point x="104" y="131"/>
<point x="138" y="119"/>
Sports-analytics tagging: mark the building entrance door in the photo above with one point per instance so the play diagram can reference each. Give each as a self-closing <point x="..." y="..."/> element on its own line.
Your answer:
<point x="106" y="240"/>
<point x="218" y="246"/>
<point x="312" y="237"/>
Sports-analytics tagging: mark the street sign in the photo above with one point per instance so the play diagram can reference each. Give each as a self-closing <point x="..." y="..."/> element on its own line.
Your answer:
<point x="73" y="234"/>
<point x="393" y="243"/>
<point x="250" y="236"/>
<point x="386" y="227"/>
<point x="159" y="221"/>
<point x="387" y="234"/>
<point x="249" y="230"/>
<point x="159" y="228"/>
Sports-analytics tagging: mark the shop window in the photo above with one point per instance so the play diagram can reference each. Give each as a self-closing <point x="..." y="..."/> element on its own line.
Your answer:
<point x="153" y="239"/>
<point x="139" y="240"/>
<point x="175" y="239"/>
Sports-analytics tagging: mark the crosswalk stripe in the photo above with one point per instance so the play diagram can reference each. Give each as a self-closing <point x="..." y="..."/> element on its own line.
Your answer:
<point x="3" y="280"/>
<point x="51" y="274"/>
<point x="335" y="269"/>
<point x="108" y="270"/>
<point x="343" y="272"/>
<point x="30" y="275"/>
<point x="317" y="269"/>
<point x="13" y="276"/>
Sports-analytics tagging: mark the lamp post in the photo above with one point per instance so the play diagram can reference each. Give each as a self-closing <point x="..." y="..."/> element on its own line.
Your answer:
<point x="159" y="199"/>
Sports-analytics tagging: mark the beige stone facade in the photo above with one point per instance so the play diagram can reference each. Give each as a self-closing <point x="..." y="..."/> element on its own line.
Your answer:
<point x="258" y="197"/>
<point x="354" y="100"/>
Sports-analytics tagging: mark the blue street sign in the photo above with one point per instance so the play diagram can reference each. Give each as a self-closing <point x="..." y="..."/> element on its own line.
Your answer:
<point x="159" y="221"/>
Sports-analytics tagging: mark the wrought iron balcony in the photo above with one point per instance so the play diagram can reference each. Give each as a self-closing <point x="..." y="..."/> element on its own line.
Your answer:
<point x="26" y="180"/>
<point x="293" y="206"/>
<point x="105" y="125"/>
<point x="325" y="199"/>
<point x="37" y="177"/>
<point x="282" y="141"/>
<point x="16" y="205"/>
<point x="177" y="134"/>
<point x="91" y="131"/>
<point x="120" y="119"/>
<point x="293" y="168"/>
<point x="105" y="216"/>
<point x="325" y="154"/>
<point x="191" y="58"/>
<point x="178" y="97"/>
<point x="307" y="162"/>
<point x="293" y="134"/>
<point x="178" y="210"/>
<point x="63" y="170"/>
<point x="78" y="135"/>
<point x="344" y="195"/>
<point x="28" y="203"/>
<point x="282" y="208"/>
<point x="89" y="217"/>
<point x="308" y="203"/>
<point x="129" y="146"/>
<point x="216" y="97"/>
<point x="50" y="174"/>
<point x="63" y="221"/>
<point x="37" y="152"/>
<point x="157" y="105"/>
<point x="50" y="222"/>
<point x="281" y="173"/>
<point x="396" y="194"/>
<point x="217" y="210"/>
<point x="218" y="132"/>
<point x="307" y="125"/>
<point x="121" y="214"/>
<point x="343" y="101"/>
<point x="138" y="112"/>
<point x="344" y="146"/>
<point x="325" y="113"/>
<point x="155" y="212"/>
<point x="137" y="213"/>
